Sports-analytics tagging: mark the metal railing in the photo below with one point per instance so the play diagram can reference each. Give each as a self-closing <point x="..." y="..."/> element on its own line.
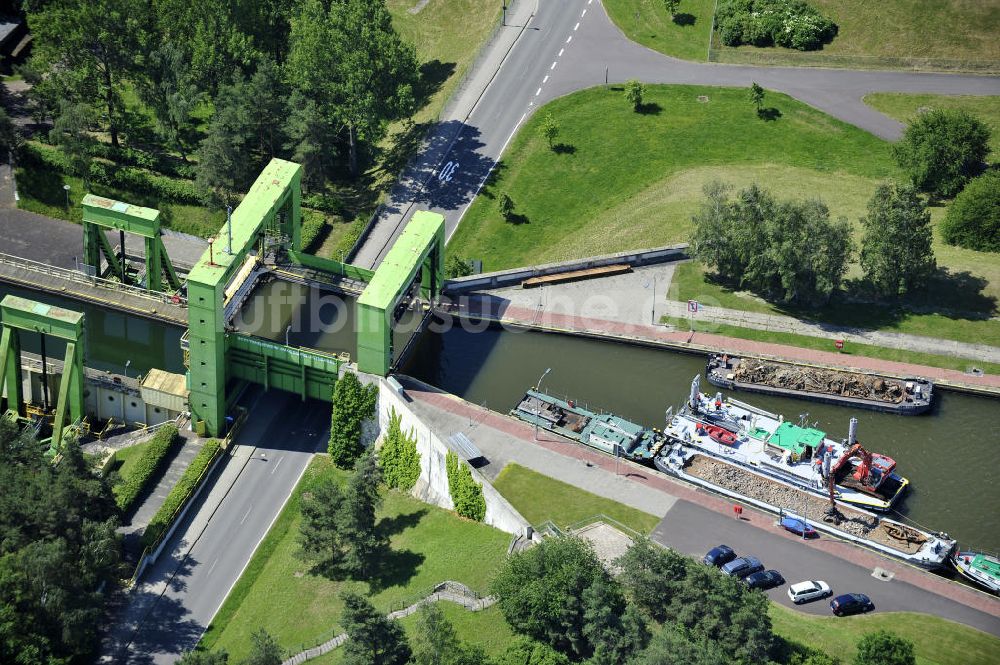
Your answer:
<point x="98" y="282"/>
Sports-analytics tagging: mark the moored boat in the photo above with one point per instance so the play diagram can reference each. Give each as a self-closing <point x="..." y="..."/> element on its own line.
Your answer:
<point x="978" y="567"/>
<point x="909" y="396"/>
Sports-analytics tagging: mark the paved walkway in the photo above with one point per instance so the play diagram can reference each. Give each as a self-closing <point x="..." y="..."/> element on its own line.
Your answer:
<point x="688" y="510"/>
<point x="502" y="311"/>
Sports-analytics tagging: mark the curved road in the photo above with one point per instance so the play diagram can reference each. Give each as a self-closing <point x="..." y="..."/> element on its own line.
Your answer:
<point x="565" y="47"/>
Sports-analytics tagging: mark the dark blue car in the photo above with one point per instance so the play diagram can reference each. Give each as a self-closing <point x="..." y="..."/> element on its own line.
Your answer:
<point x="745" y="565"/>
<point x="851" y="603"/>
<point x="798" y="527"/>
<point x="719" y="556"/>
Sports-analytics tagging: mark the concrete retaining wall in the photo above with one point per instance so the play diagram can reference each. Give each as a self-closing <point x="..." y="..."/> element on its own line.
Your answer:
<point x="432" y="486"/>
<point x="493" y="280"/>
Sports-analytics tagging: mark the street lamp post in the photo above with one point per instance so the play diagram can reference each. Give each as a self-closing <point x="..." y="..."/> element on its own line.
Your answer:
<point x="66" y="188"/>
<point x="288" y="331"/>
<point x="538" y="386"/>
<point x="127" y="363"/>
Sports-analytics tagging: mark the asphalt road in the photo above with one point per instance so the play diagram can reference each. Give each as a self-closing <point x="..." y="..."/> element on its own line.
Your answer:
<point x="568" y="45"/>
<point x="180" y="595"/>
<point x="694" y="530"/>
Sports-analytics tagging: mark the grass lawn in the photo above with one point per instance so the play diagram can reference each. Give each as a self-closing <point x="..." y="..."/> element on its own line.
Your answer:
<point x="648" y="23"/>
<point x="429" y="546"/>
<point x="904" y="107"/>
<point x="937" y="641"/>
<point x="540" y="498"/>
<point x="626" y="180"/>
<point x="41" y="191"/>
<point x="925" y="34"/>
<point x="826" y="344"/>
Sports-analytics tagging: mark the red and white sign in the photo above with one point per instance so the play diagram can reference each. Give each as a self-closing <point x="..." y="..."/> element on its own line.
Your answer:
<point x="693" y="306"/>
<point x="839" y="343"/>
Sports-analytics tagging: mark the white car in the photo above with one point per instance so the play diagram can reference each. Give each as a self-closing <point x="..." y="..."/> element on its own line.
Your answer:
<point x="803" y="592"/>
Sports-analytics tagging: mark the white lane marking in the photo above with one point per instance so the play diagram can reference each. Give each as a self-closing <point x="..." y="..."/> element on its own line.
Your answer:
<point x="247" y="515"/>
<point x="589" y="1"/>
<point x="552" y="67"/>
<point x="538" y="92"/>
<point x="584" y="12"/>
<point x="575" y="27"/>
<point x="561" y="52"/>
<point x="569" y="39"/>
<point x="544" y="80"/>
<point x="277" y="465"/>
<point x="213" y="565"/>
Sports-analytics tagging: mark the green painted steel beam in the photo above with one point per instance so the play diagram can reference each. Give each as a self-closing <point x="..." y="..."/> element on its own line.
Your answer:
<point x="24" y="314"/>
<point x="121" y="216"/>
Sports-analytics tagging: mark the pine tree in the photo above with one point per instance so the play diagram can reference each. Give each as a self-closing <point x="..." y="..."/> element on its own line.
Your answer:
<point x="264" y="650"/>
<point x="362" y="498"/>
<point x="372" y="639"/>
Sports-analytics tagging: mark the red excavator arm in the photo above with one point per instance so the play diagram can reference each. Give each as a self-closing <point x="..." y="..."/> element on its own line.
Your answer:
<point x="863" y="471"/>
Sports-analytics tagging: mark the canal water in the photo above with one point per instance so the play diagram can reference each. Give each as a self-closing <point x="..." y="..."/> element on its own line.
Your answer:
<point x="950" y="455"/>
<point x="112" y="339"/>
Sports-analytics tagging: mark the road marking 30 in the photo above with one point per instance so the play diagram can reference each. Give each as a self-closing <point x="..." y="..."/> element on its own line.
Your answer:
<point x="448" y="172"/>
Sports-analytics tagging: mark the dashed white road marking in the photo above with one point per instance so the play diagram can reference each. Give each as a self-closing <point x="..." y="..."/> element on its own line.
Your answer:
<point x="545" y="80"/>
<point x="569" y="39"/>
<point x="277" y="465"/>
<point x="247" y="515"/>
<point x="553" y="66"/>
<point x="538" y="92"/>
<point x="576" y="26"/>
<point x="561" y="52"/>
<point x="584" y="12"/>
<point x="213" y="565"/>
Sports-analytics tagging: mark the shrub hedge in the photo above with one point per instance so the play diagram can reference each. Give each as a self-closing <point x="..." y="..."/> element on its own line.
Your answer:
<point x="465" y="492"/>
<point x="789" y="23"/>
<point x="128" y="489"/>
<point x="184" y="488"/>
<point x="312" y="226"/>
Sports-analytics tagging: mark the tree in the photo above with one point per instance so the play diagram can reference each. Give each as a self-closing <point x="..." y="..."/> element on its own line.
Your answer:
<point x="671" y="7"/>
<point x="71" y="132"/>
<point x="204" y="658"/>
<point x="973" y="218"/>
<point x="505" y="206"/>
<point x="615" y="635"/>
<point x="526" y="651"/>
<point x="466" y="493"/>
<point x="372" y="639"/>
<point x="362" y="499"/>
<point x="634" y="91"/>
<point x="650" y="575"/>
<point x="549" y="129"/>
<point x="675" y="646"/>
<point x="457" y="266"/>
<point x="169" y="89"/>
<point x="264" y="650"/>
<point x="896" y="252"/>
<point x="353" y="403"/>
<point x="756" y="96"/>
<point x="942" y="149"/>
<point x="436" y="642"/>
<point x="320" y="534"/>
<point x="540" y="592"/>
<point x="93" y="45"/>
<point x="398" y="457"/>
<point x="884" y="648"/>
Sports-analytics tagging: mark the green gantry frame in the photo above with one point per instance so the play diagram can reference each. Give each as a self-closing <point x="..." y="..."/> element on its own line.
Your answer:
<point x="418" y="253"/>
<point x="17" y="314"/>
<point x="273" y="203"/>
<point x="100" y="213"/>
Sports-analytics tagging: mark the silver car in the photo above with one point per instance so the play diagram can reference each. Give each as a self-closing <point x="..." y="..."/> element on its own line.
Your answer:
<point x="803" y="592"/>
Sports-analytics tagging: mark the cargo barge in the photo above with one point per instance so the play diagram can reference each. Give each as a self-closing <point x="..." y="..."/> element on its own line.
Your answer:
<point x="910" y="396"/>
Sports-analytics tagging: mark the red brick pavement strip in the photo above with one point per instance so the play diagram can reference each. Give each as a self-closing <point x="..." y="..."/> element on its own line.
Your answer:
<point x="676" y="488"/>
<point x="491" y="308"/>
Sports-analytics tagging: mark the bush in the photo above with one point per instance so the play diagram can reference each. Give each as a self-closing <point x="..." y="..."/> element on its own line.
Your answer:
<point x="313" y="224"/>
<point x="973" y="220"/>
<point x="325" y="202"/>
<point x="788" y="23"/>
<point x="128" y="490"/>
<point x="398" y="456"/>
<point x="465" y="492"/>
<point x="184" y="488"/>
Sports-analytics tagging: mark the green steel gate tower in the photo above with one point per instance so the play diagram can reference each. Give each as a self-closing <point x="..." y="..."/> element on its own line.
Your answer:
<point x="17" y="314"/>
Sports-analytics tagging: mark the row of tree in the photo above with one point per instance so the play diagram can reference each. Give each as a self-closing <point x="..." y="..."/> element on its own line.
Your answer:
<point x="793" y="252"/>
<point x="309" y="80"/>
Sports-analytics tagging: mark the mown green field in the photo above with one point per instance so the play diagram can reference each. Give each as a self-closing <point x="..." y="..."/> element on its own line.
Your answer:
<point x="647" y="22"/>
<point x="539" y="499"/>
<point x="905" y="106"/>
<point x="429" y="545"/>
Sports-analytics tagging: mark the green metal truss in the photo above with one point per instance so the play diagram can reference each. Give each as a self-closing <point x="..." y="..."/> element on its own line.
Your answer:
<point x="100" y="213"/>
<point x="20" y="314"/>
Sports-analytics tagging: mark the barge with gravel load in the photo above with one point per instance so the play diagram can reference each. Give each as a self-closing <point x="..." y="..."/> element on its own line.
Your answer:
<point x="910" y="396"/>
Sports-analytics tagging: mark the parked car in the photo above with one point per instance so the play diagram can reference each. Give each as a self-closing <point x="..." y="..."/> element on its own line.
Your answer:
<point x="799" y="527"/>
<point x="803" y="592"/>
<point x="767" y="579"/>
<point x="851" y="603"/>
<point x="743" y="566"/>
<point x="719" y="556"/>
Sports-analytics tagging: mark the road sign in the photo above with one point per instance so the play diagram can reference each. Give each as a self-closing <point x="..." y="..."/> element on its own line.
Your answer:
<point x="839" y="343"/>
<point x="693" y="306"/>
